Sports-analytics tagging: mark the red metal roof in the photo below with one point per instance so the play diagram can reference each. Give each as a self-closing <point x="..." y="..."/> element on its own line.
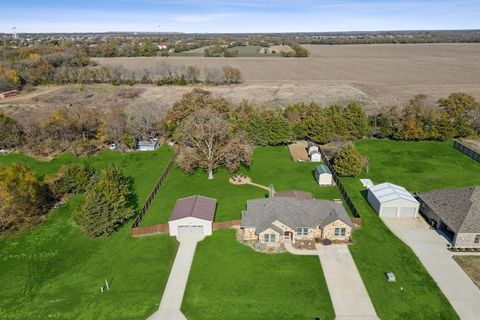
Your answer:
<point x="195" y="206"/>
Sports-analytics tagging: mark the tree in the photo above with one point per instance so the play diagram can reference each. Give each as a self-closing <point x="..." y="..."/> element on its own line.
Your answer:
<point x="348" y="161"/>
<point x="269" y="128"/>
<point x="23" y="198"/>
<point x="231" y="75"/>
<point x="206" y="141"/>
<point x="71" y="178"/>
<point x="458" y="105"/>
<point x="356" y="120"/>
<point x="107" y="205"/>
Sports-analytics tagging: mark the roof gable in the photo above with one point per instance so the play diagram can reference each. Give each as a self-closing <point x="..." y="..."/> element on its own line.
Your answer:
<point x="322" y="169"/>
<point x="195" y="206"/>
<point x="386" y="192"/>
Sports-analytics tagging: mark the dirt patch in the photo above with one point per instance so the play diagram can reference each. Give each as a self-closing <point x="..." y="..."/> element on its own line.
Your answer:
<point x="298" y="151"/>
<point x="471" y="266"/>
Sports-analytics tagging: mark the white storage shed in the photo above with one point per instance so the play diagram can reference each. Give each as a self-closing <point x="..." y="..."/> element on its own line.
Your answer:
<point x="390" y="200"/>
<point x="323" y="175"/>
<point x="194" y="213"/>
<point x="315" y="157"/>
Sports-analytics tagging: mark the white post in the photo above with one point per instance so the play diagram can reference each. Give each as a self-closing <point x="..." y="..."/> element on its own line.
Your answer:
<point x="106" y="284"/>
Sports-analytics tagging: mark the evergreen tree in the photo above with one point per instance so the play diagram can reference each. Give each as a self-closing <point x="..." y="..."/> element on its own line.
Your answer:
<point x="107" y="204"/>
<point x="356" y="120"/>
<point x="348" y="161"/>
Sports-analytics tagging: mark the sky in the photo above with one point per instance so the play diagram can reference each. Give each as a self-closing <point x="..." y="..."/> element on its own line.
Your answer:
<point x="238" y="16"/>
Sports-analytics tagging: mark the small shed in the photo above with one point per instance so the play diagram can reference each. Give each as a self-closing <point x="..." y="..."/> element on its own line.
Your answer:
<point x="312" y="147"/>
<point x="315" y="157"/>
<point x="323" y="175"/>
<point x="195" y="212"/>
<point x="390" y="200"/>
<point x="150" y="145"/>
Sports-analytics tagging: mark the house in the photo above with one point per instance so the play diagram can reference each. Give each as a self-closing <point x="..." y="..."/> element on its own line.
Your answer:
<point x="273" y="221"/>
<point x="390" y="200"/>
<point x="315" y="156"/>
<point x="323" y="175"/>
<point x="150" y="145"/>
<point x="455" y="213"/>
<point x="7" y="94"/>
<point x="195" y="212"/>
<point x="312" y="147"/>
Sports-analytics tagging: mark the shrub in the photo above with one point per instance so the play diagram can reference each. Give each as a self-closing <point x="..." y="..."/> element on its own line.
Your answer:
<point x="108" y="204"/>
<point x="71" y="179"/>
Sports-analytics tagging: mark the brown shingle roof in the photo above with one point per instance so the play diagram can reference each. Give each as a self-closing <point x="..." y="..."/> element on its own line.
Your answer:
<point x="195" y="206"/>
<point x="459" y="209"/>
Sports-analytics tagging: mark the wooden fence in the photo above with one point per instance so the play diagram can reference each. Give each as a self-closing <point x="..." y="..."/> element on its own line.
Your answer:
<point x="146" y="231"/>
<point x="463" y="148"/>
<point x="154" y="193"/>
<point x="225" y="224"/>
<point x="344" y="193"/>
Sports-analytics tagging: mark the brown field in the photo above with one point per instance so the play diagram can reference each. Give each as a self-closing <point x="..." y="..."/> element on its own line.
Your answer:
<point x="379" y="74"/>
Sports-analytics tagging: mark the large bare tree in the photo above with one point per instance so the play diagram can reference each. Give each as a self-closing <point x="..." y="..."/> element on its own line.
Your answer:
<point x="207" y="141"/>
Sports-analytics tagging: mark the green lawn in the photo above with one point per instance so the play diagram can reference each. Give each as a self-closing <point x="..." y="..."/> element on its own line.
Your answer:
<point x="419" y="166"/>
<point x="231" y="281"/>
<point x="271" y="165"/>
<point x="54" y="271"/>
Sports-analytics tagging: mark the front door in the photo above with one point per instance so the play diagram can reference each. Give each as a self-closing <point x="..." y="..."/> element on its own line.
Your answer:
<point x="288" y="235"/>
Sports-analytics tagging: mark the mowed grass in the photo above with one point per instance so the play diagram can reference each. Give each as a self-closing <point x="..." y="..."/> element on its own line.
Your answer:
<point x="419" y="166"/>
<point x="231" y="281"/>
<point x="54" y="271"/>
<point x="270" y="165"/>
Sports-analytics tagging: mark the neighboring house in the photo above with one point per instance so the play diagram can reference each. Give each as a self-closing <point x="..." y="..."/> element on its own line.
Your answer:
<point x="273" y="221"/>
<point x="390" y="200"/>
<point x="150" y="145"/>
<point x="195" y="212"/>
<point x="315" y="156"/>
<point x="323" y="175"/>
<point x="455" y="212"/>
<point x="311" y="148"/>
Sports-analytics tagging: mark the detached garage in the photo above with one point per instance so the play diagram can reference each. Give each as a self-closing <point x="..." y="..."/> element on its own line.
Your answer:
<point x="194" y="213"/>
<point x="390" y="200"/>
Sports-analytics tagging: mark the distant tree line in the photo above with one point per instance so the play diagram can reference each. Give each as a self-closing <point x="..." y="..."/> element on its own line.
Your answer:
<point x="26" y="67"/>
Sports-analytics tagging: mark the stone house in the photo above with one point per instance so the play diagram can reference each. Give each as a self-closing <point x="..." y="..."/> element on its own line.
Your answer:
<point x="455" y="213"/>
<point x="273" y="221"/>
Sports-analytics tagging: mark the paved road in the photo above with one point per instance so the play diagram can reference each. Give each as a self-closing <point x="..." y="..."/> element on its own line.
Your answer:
<point x="177" y="281"/>
<point x="430" y="248"/>
<point x="349" y="296"/>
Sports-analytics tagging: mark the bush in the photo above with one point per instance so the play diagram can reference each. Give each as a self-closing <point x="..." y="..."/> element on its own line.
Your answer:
<point x="348" y="161"/>
<point x="108" y="204"/>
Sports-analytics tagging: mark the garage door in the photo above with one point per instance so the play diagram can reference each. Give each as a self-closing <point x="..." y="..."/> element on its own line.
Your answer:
<point x="190" y="229"/>
<point x="408" y="212"/>
<point x="389" y="212"/>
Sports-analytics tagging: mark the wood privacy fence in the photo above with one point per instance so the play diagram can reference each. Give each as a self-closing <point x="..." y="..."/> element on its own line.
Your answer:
<point x="225" y="224"/>
<point x="163" y="228"/>
<point x="154" y="192"/>
<point x="146" y="231"/>
<point x="463" y="148"/>
<point x="344" y="193"/>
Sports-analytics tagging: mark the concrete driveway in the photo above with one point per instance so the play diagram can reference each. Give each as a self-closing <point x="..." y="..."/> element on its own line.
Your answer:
<point x="177" y="281"/>
<point x="349" y="296"/>
<point x="431" y="249"/>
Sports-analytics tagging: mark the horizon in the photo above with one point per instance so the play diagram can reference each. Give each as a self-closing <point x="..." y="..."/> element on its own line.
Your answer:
<point x="228" y="17"/>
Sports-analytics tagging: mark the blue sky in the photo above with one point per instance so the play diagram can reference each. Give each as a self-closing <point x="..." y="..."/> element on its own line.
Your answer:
<point x="237" y="16"/>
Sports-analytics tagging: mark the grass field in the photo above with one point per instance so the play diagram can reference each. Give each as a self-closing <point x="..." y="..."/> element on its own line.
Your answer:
<point x="54" y="271"/>
<point x="271" y="165"/>
<point x="419" y="166"/>
<point x="231" y="281"/>
<point x="471" y="266"/>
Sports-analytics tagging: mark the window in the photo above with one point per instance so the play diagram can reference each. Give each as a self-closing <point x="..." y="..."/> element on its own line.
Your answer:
<point x="269" y="238"/>
<point x="340" y="232"/>
<point x="302" y="231"/>
<point x="477" y="239"/>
